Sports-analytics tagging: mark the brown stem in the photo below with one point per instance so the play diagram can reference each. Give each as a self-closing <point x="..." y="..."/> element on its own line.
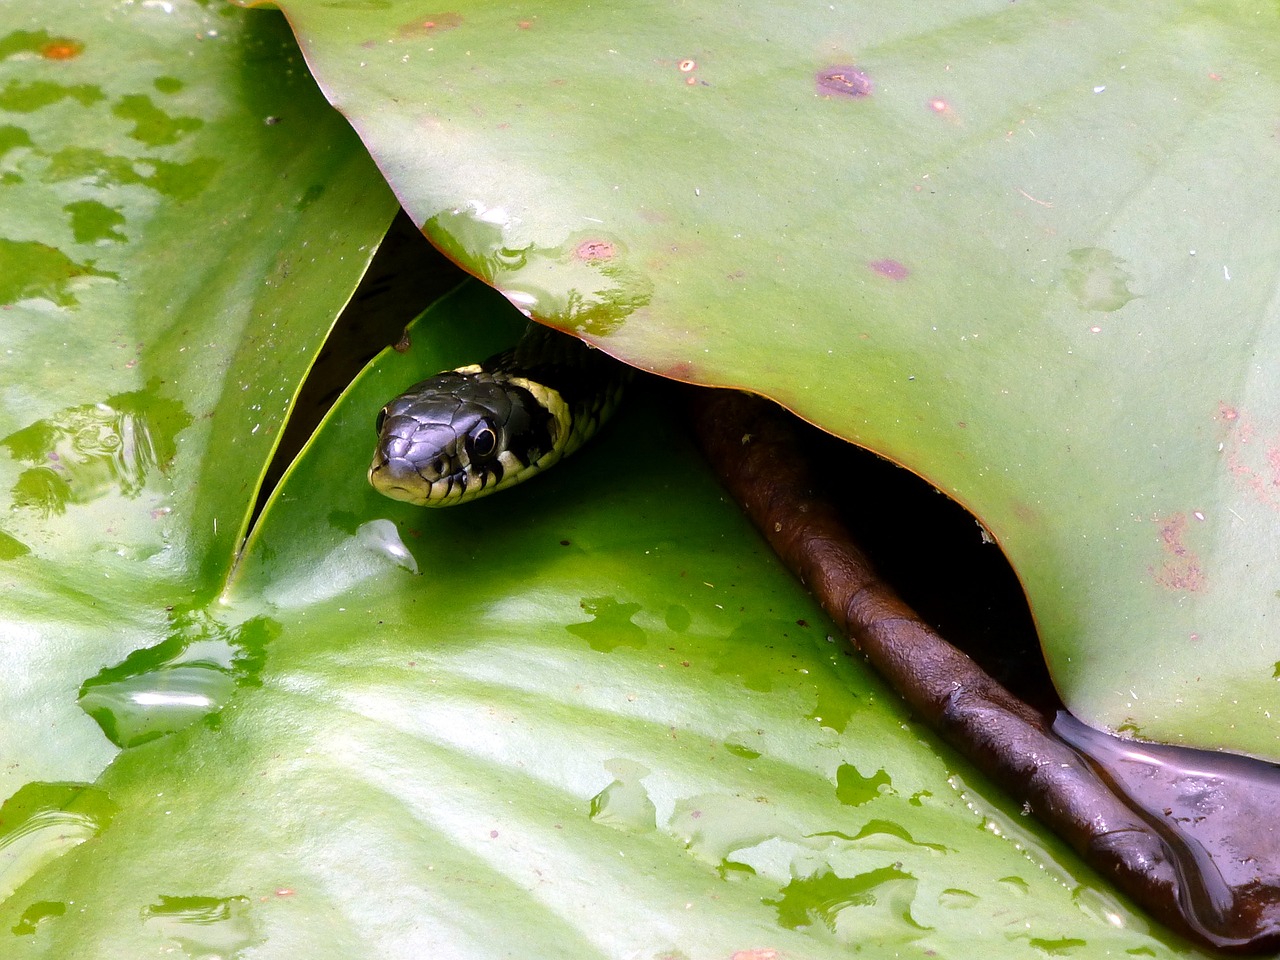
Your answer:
<point x="753" y="447"/>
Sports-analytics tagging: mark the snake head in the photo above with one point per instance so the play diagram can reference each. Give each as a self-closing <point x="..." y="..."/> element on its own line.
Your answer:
<point x="457" y="436"/>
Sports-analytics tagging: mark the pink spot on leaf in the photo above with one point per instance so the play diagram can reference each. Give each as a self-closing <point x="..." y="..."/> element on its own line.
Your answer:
<point x="1181" y="570"/>
<point x="1254" y="461"/>
<point x="593" y="251"/>
<point x="892" y="269"/>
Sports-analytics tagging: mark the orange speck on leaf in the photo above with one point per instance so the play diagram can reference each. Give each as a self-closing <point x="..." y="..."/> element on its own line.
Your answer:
<point x="62" y="49"/>
<point x="432" y="23"/>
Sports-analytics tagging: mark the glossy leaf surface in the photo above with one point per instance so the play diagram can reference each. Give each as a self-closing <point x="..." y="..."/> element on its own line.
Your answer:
<point x="182" y="216"/>
<point x="591" y="718"/>
<point x="333" y="757"/>
<point x="1025" y="252"/>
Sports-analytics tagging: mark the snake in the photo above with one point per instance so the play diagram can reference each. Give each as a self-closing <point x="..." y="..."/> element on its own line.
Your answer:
<point x="474" y="430"/>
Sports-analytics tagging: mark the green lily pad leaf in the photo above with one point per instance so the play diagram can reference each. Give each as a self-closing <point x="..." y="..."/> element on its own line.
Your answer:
<point x="1026" y="254"/>
<point x="183" y="217"/>
<point x="436" y="758"/>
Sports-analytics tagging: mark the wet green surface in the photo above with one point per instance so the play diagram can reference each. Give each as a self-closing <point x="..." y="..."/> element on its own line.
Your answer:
<point x="1026" y="253"/>
<point x="429" y="757"/>
<point x="187" y="678"/>
<point x="591" y="718"/>
<point x="161" y="298"/>
<point x="42" y="821"/>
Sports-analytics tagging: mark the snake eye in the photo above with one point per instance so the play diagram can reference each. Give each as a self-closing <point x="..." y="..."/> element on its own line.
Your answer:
<point x="482" y="442"/>
<point x="382" y="418"/>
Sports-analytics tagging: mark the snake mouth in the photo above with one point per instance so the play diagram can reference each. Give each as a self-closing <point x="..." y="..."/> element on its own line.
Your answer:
<point x="394" y="484"/>
<point x="446" y="481"/>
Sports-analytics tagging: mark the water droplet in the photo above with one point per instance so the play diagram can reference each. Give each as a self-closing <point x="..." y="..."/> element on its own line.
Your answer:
<point x="151" y="125"/>
<point x="740" y="749"/>
<point x="678" y="619"/>
<point x="714" y="827"/>
<point x="190" y="676"/>
<point x="42" y="821"/>
<point x="954" y="899"/>
<point x="611" y="626"/>
<point x="583" y="284"/>
<point x="94" y="222"/>
<point x="1098" y="279"/>
<point x="205" y="928"/>
<point x="30" y="270"/>
<point x="1215" y="813"/>
<point x="1016" y="884"/>
<point x="883" y="835"/>
<point x="35" y="95"/>
<point x="383" y="537"/>
<point x="848" y="905"/>
<point x="625" y="804"/>
<point x="86" y="452"/>
<point x="1062" y="947"/>
<point x="853" y="789"/>
<point x="36" y="914"/>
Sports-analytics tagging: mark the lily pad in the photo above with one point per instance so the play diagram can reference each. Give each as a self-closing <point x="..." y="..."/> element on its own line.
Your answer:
<point x="169" y="179"/>
<point x="593" y="717"/>
<point x="1025" y="253"/>
<point x="517" y="756"/>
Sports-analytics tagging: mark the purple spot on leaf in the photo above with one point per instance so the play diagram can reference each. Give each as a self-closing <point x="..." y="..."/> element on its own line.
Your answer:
<point x="890" y="268"/>
<point x="843" y="81"/>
